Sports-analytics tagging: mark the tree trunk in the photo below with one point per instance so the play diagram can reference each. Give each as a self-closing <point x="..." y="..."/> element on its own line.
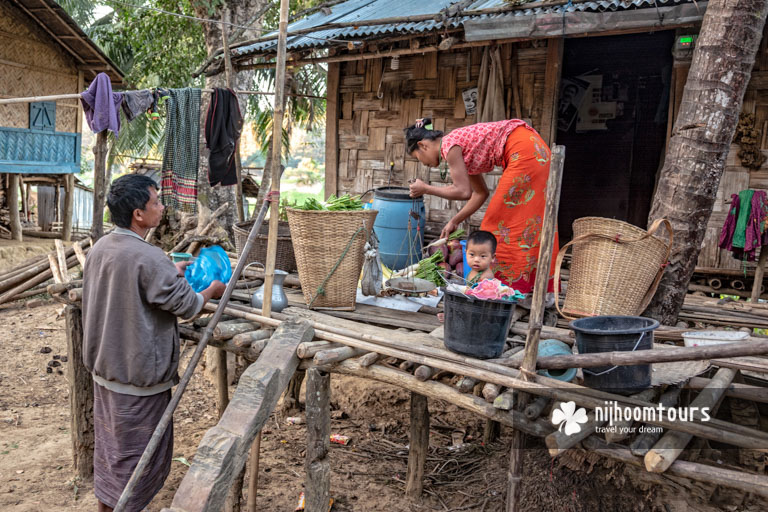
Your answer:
<point x="241" y="11"/>
<point x="100" y="184"/>
<point x="720" y="71"/>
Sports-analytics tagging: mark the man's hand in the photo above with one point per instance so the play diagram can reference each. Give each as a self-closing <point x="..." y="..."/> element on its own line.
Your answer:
<point x="449" y="228"/>
<point x="214" y="291"/>
<point x="181" y="266"/>
<point x="273" y="196"/>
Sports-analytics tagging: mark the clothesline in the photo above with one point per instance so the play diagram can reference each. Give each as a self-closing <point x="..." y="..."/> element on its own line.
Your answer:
<point x="57" y="97"/>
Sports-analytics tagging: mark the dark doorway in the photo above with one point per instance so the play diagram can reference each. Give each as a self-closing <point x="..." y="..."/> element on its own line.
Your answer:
<point x="612" y="119"/>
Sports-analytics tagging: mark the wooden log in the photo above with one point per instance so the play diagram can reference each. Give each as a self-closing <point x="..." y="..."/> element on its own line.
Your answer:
<point x="741" y="480"/>
<point x="714" y="283"/>
<point x="466" y="384"/>
<point x="99" y="184"/>
<point x="757" y="285"/>
<point x="195" y="244"/>
<point x="250" y="352"/>
<point x="735" y="390"/>
<point x="309" y="349"/>
<point x="80" y="383"/>
<point x="41" y="234"/>
<point x="55" y="271"/>
<point x="424" y="372"/>
<point x="246" y="339"/>
<point x="535" y="408"/>
<point x="31" y="293"/>
<point x="506" y="401"/>
<point x="558" y="441"/>
<point x="317" y="465"/>
<point x="419" y="446"/>
<point x="491" y="431"/>
<point x="508" y="377"/>
<point x="334" y="355"/>
<point x="37" y="279"/>
<point x="491" y="391"/>
<point x="79" y="253"/>
<point x="672" y="444"/>
<point x="368" y="359"/>
<point x="738" y="284"/>
<point x="645" y="440"/>
<point x="57" y="201"/>
<point x="61" y="259"/>
<point x="75" y="294"/>
<point x="556" y="333"/>
<point x="24" y="265"/>
<point x="232" y="328"/>
<point x="26" y="273"/>
<point x="620" y="429"/>
<point x="224" y="448"/>
<point x="13" y="207"/>
<point x="407" y="366"/>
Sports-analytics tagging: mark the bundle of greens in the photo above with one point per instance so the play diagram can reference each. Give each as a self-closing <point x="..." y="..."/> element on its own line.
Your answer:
<point x="428" y="268"/>
<point x="333" y="204"/>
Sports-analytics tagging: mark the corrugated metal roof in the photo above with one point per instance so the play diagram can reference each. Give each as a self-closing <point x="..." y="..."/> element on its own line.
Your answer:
<point x="359" y="10"/>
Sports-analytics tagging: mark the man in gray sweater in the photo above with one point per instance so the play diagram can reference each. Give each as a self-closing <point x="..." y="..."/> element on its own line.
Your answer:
<point x="132" y="295"/>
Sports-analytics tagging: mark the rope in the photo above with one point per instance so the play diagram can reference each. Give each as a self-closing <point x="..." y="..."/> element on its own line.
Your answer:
<point x="321" y="288"/>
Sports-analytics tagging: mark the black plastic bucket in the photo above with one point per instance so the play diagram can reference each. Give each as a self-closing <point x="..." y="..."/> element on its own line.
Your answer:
<point x="615" y="334"/>
<point x="474" y="327"/>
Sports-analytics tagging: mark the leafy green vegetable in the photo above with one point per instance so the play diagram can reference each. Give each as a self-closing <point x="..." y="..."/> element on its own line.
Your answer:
<point x="428" y="269"/>
<point x="333" y="204"/>
<point x="456" y="234"/>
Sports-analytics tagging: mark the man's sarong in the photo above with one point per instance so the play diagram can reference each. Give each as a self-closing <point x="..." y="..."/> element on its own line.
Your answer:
<point x="123" y="425"/>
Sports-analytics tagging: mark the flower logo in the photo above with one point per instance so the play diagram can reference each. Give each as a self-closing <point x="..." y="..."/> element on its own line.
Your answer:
<point x="567" y="418"/>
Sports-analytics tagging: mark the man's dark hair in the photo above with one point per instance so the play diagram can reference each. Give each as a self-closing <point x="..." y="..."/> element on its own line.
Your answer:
<point x="413" y="134"/>
<point x="128" y="193"/>
<point x="483" y="237"/>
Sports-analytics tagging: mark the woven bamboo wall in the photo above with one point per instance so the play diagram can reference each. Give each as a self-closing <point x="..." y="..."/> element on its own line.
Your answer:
<point x="370" y="127"/>
<point x="737" y="177"/>
<point x="33" y="64"/>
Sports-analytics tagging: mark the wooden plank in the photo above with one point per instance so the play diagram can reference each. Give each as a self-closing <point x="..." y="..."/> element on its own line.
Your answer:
<point x="430" y="65"/>
<point x="419" y="446"/>
<point x="224" y="448"/>
<point x="548" y="128"/>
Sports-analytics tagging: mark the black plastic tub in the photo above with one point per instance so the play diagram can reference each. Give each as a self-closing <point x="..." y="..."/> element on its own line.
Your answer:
<point x="474" y="327"/>
<point x="615" y="334"/>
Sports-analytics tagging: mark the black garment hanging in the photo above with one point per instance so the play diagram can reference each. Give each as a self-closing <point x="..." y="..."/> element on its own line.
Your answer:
<point x="223" y="124"/>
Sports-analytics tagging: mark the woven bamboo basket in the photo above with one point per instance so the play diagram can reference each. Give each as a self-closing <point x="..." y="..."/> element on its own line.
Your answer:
<point x="320" y="238"/>
<point x="615" y="269"/>
<point x="286" y="260"/>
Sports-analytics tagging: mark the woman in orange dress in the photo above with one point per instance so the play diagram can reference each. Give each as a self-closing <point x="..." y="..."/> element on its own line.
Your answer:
<point x="516" y="208"/>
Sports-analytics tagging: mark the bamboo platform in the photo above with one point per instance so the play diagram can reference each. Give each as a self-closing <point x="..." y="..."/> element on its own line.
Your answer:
<point x="406" y="350"/>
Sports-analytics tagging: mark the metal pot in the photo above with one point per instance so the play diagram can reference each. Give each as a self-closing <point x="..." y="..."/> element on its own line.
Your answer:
<point x="279" y="299"/>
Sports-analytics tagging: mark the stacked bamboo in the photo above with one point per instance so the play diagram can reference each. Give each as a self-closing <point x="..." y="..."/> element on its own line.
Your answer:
<point x="30" y="277"/>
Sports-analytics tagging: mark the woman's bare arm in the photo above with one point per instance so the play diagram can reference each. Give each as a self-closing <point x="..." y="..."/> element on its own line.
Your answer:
<point x="459" y="190"/>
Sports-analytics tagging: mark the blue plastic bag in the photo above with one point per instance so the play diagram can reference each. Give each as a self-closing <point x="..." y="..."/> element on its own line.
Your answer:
<point x="211" y="265"/>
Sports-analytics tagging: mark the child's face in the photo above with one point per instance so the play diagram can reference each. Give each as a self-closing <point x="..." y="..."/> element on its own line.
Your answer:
<point x="479" y="256"/>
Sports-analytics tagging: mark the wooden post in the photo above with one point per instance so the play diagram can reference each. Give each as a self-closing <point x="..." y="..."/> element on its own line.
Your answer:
<point x="24" y="199"/>
<point x="222" y="384"/>
<point x="332" y="129"/>
<point x="419" y="441"/>
<point x="759" y="273"/>
<point x="57" y="202"/>
<point x="69" y="203"/>
<point x="274" y="213"/>
<point x="99" y="185"/>
<point x="230" y="75"/>
<point x="551" y="89"/>
<point x="528" y="367"/>
<point x="80" y="396"/>
<point x="318" y="467"/>
<point x="13" y="206"/>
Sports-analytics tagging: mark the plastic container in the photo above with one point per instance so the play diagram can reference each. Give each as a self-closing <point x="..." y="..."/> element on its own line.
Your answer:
<point x="615" y="334"/>
<point x="702" y="338"/>
<point x="181" y="256"/>
<point x="474" y="327"/>
<point x="394" y="205"/>
<point x="556" y="348"/>
<point x="465" y="265"/>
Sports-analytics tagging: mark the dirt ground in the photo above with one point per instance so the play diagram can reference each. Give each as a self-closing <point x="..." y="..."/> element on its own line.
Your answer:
<point x="368" y="475"/>
<point x="13" y="252"/>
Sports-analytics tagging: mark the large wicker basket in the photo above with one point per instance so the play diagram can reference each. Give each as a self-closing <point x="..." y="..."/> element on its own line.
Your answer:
<point x="615" y="269"/>
<point x="286" y="260"/>
<point x="320" y="238"/>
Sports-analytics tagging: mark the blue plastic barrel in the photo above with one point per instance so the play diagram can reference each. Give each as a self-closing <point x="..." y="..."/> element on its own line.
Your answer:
<point x="394" y="205"/>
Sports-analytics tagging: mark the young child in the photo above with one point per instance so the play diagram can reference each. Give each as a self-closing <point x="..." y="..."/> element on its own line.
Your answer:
<point x="481" y="250"/>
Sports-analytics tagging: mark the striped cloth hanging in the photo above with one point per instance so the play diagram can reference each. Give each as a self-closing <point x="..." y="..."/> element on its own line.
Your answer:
<point x="182" y="149"/>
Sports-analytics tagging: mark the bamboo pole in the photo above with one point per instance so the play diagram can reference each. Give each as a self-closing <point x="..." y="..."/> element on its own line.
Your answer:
<point x="547" y="240"/>
<point x="669" y="447"/>
<point x="277" y="147"/>
<point x="759" y="273"/>
<point x="162" y="425"/>
<point x="73" y="96"/>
